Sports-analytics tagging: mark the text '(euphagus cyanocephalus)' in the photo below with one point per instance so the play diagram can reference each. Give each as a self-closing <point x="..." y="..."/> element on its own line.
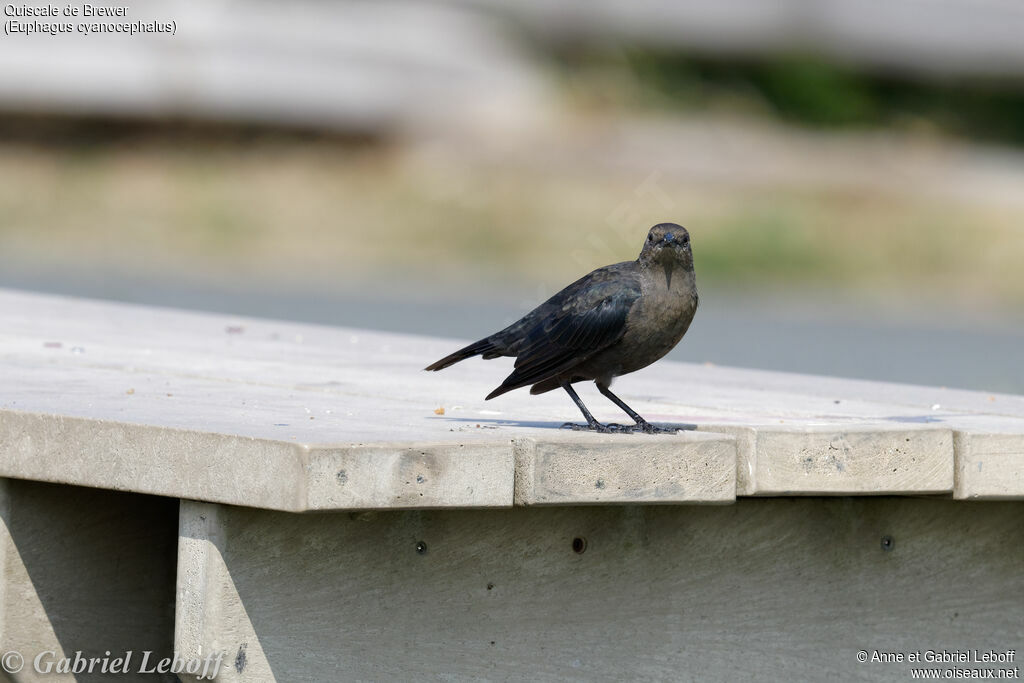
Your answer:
<point x="614" y="321"/>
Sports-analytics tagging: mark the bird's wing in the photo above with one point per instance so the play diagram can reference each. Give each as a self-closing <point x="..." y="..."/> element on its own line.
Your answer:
<point x="589" y="319"/>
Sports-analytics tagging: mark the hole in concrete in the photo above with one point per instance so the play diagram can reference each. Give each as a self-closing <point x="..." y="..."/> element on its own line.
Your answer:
<point x="579" y="545"/>
<point x="421" y="548"/>
<point x="888" y="543"/>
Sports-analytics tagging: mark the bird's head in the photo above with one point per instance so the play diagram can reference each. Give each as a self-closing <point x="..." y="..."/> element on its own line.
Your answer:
<point x="669" y="245"/>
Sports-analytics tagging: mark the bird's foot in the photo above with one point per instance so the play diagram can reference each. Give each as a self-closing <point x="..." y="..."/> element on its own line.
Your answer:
<point x="647" y="428"/>
<point x="595" y="427"/>
<point x="610" y="428"/>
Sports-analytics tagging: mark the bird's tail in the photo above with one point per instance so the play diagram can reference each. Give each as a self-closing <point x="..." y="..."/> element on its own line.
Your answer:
<point x="485" y="347"/>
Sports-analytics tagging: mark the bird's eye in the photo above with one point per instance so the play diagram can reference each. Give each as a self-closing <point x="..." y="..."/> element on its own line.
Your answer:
<point x="650" y="238"/>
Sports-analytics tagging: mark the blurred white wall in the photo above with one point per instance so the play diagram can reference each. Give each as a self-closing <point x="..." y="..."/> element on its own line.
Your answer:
<point x="373" y="66"/>
<point x="927" y="37"/>
<point x="346" y="65"/>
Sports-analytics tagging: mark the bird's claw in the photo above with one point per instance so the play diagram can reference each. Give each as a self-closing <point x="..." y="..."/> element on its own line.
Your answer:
<point x="596" y="427"/>
<point x="648" y="428"/>
<point x="614" y="428"/>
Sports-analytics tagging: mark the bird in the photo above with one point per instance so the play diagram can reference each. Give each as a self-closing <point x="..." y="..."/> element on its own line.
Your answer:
<point x="611" y="322"/>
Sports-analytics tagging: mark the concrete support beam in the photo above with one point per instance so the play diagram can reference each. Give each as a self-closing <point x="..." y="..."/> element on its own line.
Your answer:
<point x="84" y="570"/>
<point x="763" y="589"/>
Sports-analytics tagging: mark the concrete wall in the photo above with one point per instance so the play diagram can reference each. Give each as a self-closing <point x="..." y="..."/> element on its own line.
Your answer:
<point x="764" y="589"/>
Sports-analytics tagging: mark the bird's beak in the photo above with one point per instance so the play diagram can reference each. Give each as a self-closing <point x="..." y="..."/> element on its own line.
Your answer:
<point x="668" y="239"/>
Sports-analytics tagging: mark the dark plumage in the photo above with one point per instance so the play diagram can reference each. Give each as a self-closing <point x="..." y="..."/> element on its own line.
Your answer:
<point x="614" y="321"/>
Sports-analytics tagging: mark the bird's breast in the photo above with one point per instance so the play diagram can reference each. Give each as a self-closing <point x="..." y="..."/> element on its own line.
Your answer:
<point x="658" y="320"/>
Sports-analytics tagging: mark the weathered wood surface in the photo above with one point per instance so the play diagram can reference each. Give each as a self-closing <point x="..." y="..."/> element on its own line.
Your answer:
<point x="303" y="417"/>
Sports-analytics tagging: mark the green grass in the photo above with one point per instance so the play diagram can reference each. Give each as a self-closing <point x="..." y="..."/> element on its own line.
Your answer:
<point x="801" y="89"/>
<point x="336" y="216"/>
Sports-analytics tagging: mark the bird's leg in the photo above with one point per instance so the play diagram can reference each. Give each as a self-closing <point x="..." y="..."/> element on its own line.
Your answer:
<point x="592" y="424"/>
<point x="641" y="423"/>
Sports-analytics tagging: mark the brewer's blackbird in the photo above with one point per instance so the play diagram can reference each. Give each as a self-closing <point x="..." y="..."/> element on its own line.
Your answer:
<point x="615" y="320"/>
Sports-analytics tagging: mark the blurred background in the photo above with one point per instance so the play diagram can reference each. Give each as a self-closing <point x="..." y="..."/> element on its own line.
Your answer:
<point x="852" y="173"/>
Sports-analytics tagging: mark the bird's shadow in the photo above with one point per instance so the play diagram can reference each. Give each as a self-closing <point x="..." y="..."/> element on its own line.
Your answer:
<point x="492" y="423"/>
